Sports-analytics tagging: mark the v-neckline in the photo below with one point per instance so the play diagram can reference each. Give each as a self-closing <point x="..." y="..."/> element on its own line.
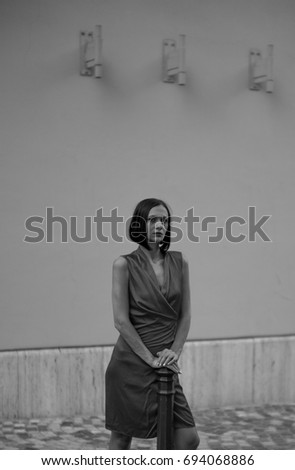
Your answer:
<point x="163" y="288"/>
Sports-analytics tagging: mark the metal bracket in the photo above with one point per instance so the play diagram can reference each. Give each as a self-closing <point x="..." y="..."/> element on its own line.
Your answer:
<point x="169" y="61"/>
<point x="173" y="58"/>
<point x="91" y="53"/>
<point x="260" y="70"/>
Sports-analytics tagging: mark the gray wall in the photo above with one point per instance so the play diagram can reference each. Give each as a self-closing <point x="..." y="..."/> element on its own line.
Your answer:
<point x="77" y="144"/>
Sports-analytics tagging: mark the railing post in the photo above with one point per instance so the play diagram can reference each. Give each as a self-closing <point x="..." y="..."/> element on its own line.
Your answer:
<point x="165" y="408"/>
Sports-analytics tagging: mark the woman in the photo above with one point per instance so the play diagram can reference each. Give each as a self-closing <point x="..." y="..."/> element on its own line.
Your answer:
<point x="151" y="305"/>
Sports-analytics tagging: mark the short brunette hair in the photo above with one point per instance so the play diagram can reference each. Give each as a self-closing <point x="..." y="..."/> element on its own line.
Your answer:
<point x="137" y="227"/>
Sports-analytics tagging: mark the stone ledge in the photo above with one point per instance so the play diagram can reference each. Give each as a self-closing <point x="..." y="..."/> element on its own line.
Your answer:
<point x="215" y="373"/>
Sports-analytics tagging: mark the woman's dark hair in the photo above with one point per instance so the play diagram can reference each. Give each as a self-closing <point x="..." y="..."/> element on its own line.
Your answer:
<point x="137" y="227"/>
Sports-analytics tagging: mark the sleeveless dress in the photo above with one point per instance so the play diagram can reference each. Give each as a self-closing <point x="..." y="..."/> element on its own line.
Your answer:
<point x="131" y="384"/>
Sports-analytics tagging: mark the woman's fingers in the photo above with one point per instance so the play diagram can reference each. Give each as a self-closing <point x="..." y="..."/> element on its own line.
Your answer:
<point x="174" y="367"/>
<point x="155" y="364"/>
<point x="167" y="357"/>
<point x="171" y="360"/>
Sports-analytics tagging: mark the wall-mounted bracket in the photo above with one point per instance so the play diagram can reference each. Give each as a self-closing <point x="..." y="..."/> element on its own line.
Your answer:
<point x="91" y="53"/>
<point x="173" y="61"/>
<point x="260" y="70"/>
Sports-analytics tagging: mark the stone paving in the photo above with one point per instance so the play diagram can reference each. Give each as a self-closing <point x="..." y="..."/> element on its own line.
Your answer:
<point x="266" y="427"/>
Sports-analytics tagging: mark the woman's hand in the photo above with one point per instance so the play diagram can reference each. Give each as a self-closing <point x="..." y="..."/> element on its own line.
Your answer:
<point x="166" y="358"/>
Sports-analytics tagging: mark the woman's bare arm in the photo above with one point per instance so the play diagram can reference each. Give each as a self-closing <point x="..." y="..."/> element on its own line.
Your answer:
<point x="120" y="300"/>
<point x="185" y="318"/>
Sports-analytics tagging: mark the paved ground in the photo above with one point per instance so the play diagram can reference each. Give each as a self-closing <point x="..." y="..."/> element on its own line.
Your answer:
<point x="267" y="427"/>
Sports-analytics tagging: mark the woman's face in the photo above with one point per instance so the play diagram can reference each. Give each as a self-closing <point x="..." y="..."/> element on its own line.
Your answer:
<point x="157" y="224"/>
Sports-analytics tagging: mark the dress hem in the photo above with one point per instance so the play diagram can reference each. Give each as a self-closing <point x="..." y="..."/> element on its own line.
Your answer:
<point x="137" y="436"/>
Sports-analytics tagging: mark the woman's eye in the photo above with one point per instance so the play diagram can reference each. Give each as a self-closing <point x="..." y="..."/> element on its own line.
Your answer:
<point x="163" y="220"/>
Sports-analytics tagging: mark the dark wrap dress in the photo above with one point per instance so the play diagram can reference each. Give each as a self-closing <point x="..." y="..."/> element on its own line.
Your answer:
<point x="131" y="384"/>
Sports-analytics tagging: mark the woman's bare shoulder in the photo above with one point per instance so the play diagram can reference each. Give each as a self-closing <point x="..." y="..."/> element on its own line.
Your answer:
<point x="184" y="259"/>
<point x="120" y="270"/>
<point x="120" y="263"/>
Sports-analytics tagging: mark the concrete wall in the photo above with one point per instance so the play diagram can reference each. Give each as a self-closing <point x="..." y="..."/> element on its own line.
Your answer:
<point x="77" y="144"/>
<point x="69" y="382"/>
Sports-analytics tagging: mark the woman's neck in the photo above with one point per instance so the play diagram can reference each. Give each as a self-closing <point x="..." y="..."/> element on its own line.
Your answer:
<point x="154" y="252"/>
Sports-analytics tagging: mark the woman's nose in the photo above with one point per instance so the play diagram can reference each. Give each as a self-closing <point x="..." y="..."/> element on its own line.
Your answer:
<point x="160" y="224"/>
